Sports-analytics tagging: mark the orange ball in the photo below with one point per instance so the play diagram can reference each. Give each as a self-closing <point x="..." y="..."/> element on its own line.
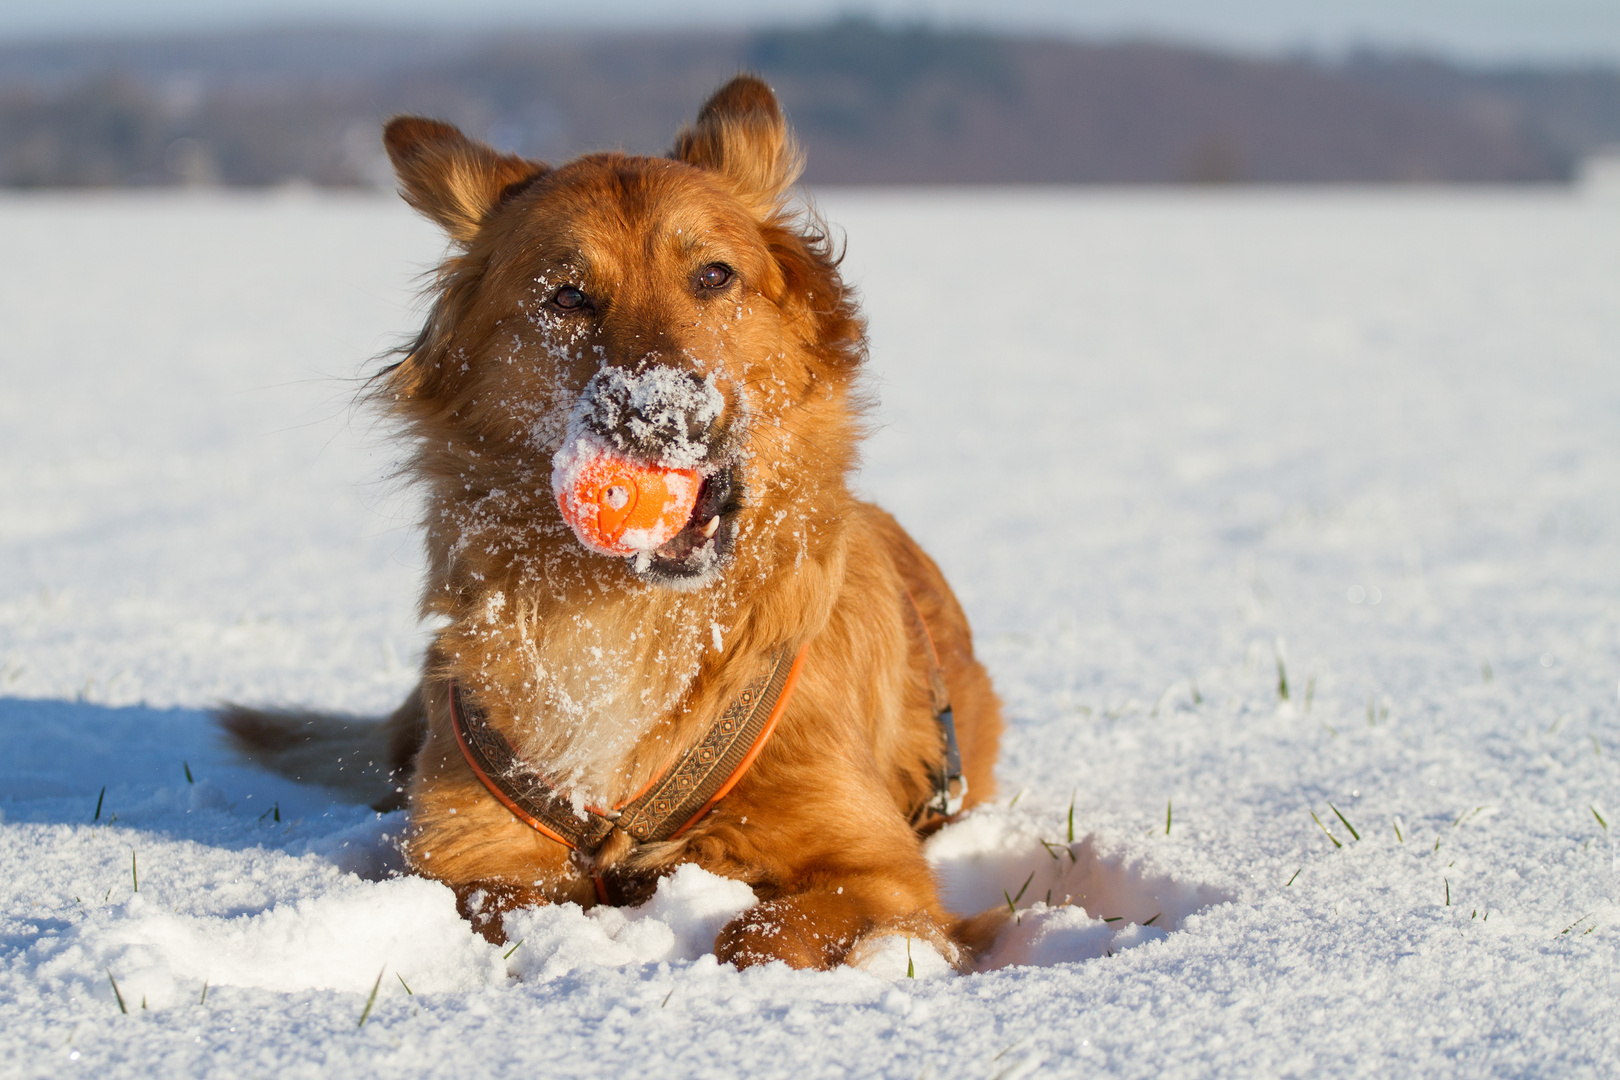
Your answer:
<point x="621" y="507"/>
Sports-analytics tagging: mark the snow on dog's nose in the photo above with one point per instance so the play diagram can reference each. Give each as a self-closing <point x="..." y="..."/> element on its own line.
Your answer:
<point x="659" y="413"/>
<point x="617" y="506"/>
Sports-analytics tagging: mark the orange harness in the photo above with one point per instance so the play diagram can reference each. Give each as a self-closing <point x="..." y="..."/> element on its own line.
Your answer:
<point x="677" y="799"/>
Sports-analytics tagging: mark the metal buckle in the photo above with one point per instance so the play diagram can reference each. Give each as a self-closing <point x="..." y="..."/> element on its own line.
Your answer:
<point x="949" y="802"/>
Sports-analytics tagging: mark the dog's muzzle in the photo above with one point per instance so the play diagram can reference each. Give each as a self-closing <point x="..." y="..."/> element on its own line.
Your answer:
<point x="659" y="414"/>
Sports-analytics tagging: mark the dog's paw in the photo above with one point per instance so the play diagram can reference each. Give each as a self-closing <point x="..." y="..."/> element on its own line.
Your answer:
<point x="781" y="930"/>
<point x="978" y="933"/>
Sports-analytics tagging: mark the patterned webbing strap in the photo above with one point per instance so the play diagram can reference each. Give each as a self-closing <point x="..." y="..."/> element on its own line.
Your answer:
<point x="950" y="786"/>
<point x="670" y="804"/>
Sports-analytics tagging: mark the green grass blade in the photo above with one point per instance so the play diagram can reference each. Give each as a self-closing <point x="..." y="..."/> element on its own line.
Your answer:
<point x="1006" y="1049"/>
<point x="121" y="1006"/>
<point x="372" y="1000"/>
<point x="1324" y="829"/>
<point x="1346" y="821"/>
<point x="1574" y="924"/>
<point x="99" y="798"/>
<point x="1021" y="888"/>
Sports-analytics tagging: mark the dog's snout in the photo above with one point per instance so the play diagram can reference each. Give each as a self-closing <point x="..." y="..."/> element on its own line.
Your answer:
<point x="658" y="413"/>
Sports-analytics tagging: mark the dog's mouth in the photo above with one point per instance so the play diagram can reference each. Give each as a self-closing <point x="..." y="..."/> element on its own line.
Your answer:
<point x="702" y="546"/>
<point x="649" y="472"/>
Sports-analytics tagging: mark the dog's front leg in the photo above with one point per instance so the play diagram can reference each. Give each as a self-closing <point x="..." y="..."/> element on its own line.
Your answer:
<point x="460" y="835"/>
<point x="839" y="869"/>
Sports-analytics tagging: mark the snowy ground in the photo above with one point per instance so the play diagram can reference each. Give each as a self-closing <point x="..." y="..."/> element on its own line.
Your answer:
<point x="1169" y="447"/>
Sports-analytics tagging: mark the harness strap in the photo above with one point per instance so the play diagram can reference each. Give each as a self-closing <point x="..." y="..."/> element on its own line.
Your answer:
<point x="950" y="786"/>
<point x="672" y="803"/>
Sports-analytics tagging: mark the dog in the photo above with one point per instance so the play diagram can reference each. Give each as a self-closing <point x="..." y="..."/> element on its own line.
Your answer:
<point x="784" y="691"/>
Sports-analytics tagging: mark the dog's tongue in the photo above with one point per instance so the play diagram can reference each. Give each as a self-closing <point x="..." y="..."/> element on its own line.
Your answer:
<point x="618" y="506"/>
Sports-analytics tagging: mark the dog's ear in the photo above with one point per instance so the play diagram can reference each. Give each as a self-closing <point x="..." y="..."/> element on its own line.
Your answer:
<point x="742" y="135"/>
<point x="449" y="177"/>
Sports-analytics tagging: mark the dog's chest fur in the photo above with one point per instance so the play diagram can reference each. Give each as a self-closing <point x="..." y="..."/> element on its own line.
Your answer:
<point x="588" y="686"/>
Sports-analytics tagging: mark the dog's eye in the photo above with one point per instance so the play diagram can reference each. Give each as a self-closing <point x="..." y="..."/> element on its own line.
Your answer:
<point x="714" y="276"/>
<point x="568" y="298"/>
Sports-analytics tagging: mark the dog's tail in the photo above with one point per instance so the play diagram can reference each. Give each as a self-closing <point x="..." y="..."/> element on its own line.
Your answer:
<point x="360" y="760"/>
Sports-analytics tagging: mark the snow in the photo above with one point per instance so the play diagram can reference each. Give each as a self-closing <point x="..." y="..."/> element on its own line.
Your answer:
<point x="1171" y="448"/>
<point x="660" y="406"/>
<point x="679" y="923"/>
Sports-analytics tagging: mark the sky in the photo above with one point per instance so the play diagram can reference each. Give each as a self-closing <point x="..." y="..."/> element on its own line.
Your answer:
<point x="1557" y="31"/>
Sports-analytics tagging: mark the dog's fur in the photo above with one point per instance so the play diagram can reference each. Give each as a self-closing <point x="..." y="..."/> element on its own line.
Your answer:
<point x="601" y="670"/>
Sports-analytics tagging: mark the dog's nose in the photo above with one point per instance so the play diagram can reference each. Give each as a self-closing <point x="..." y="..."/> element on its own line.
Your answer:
<point x="658" y="413"/>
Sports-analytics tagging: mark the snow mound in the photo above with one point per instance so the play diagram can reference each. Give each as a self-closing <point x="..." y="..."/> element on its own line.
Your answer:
<point x="339" y="940"/>
<point x="680" y="922"/>
<point x="1073" y="900"/>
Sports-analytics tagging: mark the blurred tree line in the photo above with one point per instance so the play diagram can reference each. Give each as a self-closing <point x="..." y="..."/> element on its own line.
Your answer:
<point x="873" y="104"/>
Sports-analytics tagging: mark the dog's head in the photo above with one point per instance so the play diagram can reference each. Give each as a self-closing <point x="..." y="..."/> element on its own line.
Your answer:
<point x="673" y="310"/>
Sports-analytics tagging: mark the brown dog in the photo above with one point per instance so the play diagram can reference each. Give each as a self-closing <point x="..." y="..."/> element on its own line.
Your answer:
<point x="674" y="310"/>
